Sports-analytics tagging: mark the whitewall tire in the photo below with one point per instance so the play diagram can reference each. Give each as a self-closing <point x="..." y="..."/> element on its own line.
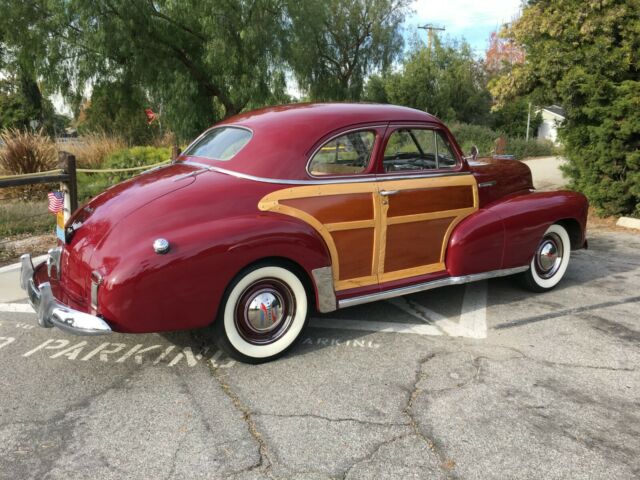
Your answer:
<point x="550" y="260"/>
<point x="263" y="313"/>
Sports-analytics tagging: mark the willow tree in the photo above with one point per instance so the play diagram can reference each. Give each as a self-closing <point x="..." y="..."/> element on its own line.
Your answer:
<point x="200" y="60"/>
<point x="335" y="44"/>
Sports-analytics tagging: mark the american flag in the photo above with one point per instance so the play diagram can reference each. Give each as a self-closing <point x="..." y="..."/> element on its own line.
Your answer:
<point x="56" y="202"/>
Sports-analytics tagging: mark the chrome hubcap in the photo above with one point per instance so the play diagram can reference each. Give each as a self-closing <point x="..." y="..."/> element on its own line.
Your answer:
<point x="549" y="256"/>
<point x="265" y="311"/>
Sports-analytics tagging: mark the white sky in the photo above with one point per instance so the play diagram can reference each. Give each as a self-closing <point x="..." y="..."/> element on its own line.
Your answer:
<point x="473" y="20"/>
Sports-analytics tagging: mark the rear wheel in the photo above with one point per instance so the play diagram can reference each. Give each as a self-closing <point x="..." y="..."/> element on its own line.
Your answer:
<point x="263" y="314"/>
<point x="550" y="261"/>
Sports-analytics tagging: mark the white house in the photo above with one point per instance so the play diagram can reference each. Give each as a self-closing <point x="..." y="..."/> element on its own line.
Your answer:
<point x="552" y="117"/>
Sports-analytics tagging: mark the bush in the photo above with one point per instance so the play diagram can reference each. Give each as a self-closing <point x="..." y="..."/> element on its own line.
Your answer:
<point x="90" y="184"/>
<point x="485" y="139"/>
<point x="26" y="152"/>
<point x="521" y="148"/>
<point x="92" y="150"/>
<point x="468" y="135"/>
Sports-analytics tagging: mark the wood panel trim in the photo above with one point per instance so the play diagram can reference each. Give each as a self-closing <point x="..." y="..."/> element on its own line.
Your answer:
<point x="421" y="217"/>
<point x="353" y="225"/>
<point x="412" y="272"/>
<point x="326" y="236"/>
<point x="356" y="282"/>
<point x="379" y="222"/>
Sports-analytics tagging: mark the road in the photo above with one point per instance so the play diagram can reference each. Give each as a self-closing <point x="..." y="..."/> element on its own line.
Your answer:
<point x="484" y="381"/>
<point x="546" y="172"/>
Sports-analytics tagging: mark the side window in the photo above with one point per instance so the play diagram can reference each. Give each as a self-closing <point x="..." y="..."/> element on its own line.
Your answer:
<point x="417" y="149"/>
<point x="446" y="157"/>
<point x="344" y="155"/>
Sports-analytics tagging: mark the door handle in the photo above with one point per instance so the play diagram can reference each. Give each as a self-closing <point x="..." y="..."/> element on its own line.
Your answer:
<point x="386" y="193"/>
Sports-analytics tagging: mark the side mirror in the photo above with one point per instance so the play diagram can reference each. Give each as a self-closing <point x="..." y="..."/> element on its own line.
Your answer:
<point x="473" y="153"/>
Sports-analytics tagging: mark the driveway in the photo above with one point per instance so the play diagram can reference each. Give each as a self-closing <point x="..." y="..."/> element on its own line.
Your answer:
<point x="483" y="381"/>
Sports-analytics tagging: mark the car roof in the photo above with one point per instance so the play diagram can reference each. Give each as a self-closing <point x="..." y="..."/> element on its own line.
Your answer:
<point x="284" y="136"/>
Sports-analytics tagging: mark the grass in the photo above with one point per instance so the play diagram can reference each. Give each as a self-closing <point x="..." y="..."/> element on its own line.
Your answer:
<point x="25" y="217"/>
<point x="92" y="150"/>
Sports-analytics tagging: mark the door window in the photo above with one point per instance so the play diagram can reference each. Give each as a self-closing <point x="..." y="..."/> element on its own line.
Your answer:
<point x="410" y="149"/>
<point x="345" y="155"/>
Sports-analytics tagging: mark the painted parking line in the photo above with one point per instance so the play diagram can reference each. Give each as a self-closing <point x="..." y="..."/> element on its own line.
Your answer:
<point x="471" y="323"/>
<point x="16" y="307"/>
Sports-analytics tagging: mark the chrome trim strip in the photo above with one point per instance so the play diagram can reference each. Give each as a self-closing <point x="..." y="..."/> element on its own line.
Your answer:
<point x="333" y="180"/>
<point x="51" y="313"/>
<point x="323" y="278"/>
<point x="487" y="184"/>
<point x="443" y="282"/>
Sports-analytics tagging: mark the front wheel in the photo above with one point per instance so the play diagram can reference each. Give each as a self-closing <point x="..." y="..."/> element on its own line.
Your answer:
<point x="263" y="313"/>
<point x="550" y="261"/>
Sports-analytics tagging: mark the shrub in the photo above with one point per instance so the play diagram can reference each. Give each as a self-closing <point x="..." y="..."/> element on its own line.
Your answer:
<point x="92" y="150"/>
<point x="521" y="148"/>
<point x="90" y="184"/>
<point x="26" y="152"/>
<point x="468" y="135"/>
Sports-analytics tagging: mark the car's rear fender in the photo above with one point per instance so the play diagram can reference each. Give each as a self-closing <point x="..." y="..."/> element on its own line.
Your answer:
<point x="505" y="233"/>
<point x="182" y="289"/>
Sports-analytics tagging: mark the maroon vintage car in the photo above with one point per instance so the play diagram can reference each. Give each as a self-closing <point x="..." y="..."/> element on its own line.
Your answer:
<point x="274" y="212"/>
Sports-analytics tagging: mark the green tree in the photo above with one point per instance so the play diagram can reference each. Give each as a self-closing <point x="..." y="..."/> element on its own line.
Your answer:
<point x="511" y="118"/>
<point x="117" y="108"/>
<point x="585" y="56"/>
<point x="446" y="81"/>
<point x="202" y="60"/>
<point x="335" y="44"/>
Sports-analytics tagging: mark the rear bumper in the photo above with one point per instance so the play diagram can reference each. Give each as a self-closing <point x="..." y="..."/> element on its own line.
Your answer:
<point x="52" y="313"/>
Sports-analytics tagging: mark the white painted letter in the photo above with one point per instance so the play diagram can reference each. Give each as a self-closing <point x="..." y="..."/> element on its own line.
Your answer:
<point x="71" y="352"/>
<point x="60" y="344"/>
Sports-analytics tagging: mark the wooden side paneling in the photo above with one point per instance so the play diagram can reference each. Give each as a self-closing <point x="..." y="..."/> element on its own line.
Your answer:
<point x="355" y="250"/>
<point x="374" y="238"/>
<point x="335" y="208"/>
<point x="412" y="202"/>
<point x="415" y="244"/>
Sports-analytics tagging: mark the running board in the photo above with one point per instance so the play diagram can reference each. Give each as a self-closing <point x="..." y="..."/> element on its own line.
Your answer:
<point x="421" y="287"/>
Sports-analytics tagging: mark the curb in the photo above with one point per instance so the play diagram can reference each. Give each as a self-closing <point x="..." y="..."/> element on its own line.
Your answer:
<point x="628" y="222"/>
<point x="16" y="266"/>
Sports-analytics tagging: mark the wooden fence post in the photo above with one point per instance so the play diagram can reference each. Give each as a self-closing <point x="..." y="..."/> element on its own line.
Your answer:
<point x="67" y="163"/>
<point x="175" y="152"/>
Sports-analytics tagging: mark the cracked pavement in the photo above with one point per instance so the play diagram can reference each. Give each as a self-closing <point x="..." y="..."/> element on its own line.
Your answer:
<point x="552" y="392"/>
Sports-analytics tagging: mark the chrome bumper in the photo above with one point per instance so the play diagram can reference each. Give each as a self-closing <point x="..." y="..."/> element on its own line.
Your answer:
<point x="52" y="313"/>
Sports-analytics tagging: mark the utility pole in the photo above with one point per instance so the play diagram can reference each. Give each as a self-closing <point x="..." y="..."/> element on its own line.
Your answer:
<point x="528" y="122"/>
<point x="430" y="28"/>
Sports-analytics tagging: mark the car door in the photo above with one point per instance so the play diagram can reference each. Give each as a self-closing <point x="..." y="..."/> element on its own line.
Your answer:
<point x="424" y="193"/>
<point x="341" y="203"/>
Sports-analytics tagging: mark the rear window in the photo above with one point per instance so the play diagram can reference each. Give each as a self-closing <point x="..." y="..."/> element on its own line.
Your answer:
<point x="220" y="143"/>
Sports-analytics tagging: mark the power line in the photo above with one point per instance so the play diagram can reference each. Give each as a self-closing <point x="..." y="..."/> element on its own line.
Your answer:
<point x="430" y="28"/>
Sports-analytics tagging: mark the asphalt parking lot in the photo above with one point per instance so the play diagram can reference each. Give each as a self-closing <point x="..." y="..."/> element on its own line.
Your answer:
<point x="478" y="382"/>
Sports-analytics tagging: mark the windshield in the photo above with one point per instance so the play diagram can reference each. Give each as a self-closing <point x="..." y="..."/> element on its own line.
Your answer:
<point x="220" y="143"/>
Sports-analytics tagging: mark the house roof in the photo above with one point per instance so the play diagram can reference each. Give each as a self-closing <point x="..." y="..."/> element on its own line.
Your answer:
<point x="556" y="110"/>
